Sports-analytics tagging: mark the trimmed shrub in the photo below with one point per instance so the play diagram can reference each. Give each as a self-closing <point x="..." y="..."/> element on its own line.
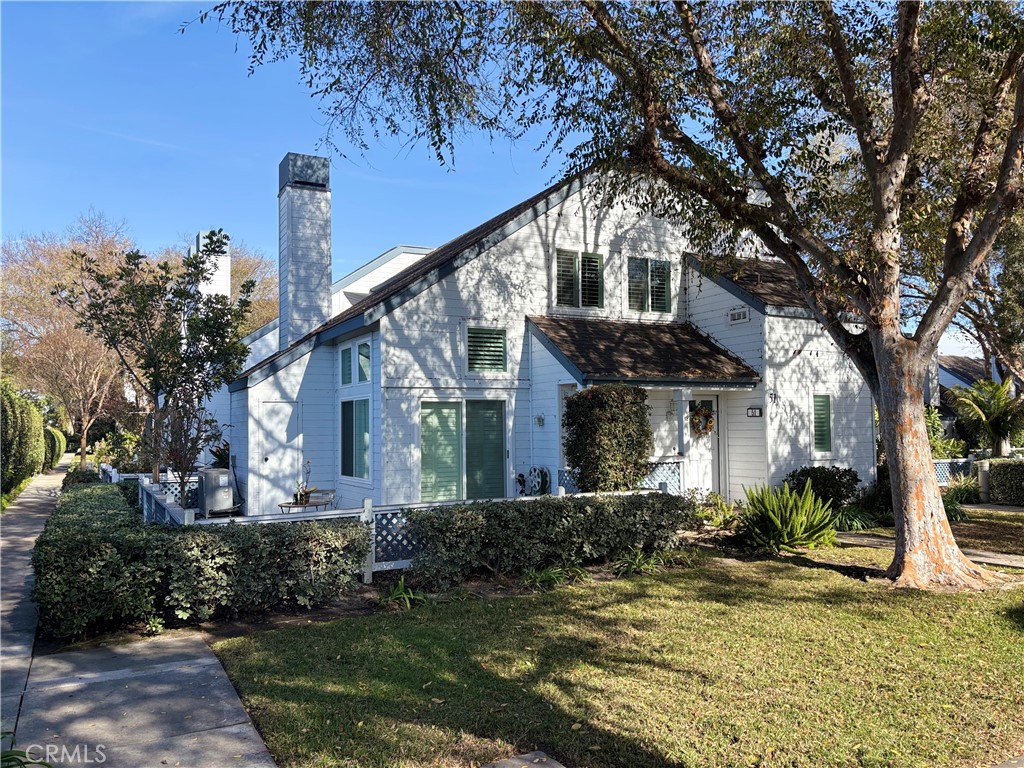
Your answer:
<point x="21" y="438"/>
<point x="55" y="444"/>
<point x="608" y="437"/>
<point x="77" y="476"/>
<point x="1006" y="481"/>
<point x="98" y="567"/>
<point x="130" y="490"/>
<point x="836" y="485"/>
<point x="511" y="537"/>
<point x="778" y="518"/>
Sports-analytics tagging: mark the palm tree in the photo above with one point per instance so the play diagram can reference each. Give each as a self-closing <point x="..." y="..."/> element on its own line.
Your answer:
<point x="991" y="412"/>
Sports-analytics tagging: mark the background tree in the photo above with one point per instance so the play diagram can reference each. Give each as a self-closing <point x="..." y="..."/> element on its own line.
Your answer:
<point x="993" y="315"/>
<point x="250" y="266"/>
<point x="991" y="413"/>
<point x="50" y="354"/>
<point x="854" y="141"/>
<point x="178" y="345"/>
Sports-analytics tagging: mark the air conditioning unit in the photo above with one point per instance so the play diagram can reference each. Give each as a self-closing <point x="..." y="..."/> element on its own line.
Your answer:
<point x="215" y="490"/>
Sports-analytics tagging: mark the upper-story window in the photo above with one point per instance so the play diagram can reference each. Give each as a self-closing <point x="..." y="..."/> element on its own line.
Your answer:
<point x="650" y="285"/>
<point x="355" y="362"/>
<point x="579" y="279"/>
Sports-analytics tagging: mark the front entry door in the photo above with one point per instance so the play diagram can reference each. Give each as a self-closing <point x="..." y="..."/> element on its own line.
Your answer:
<point x="702" y="450"/>
<point x="278" y="467"/>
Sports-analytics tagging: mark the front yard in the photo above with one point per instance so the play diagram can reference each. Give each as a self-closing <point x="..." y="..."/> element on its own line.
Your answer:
<point x="783" y="662"/>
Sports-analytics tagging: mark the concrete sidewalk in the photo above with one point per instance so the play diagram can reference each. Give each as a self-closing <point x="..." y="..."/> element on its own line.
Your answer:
<point x="143" y="704"/>
<point x="877" y="541"/>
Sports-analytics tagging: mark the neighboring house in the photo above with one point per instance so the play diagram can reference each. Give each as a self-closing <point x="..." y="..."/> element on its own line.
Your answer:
<point x="445" y="379"/>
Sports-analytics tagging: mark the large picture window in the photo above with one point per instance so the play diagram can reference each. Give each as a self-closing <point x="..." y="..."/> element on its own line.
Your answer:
<point x="579" y="279"/>
<point x="355" y="439"/>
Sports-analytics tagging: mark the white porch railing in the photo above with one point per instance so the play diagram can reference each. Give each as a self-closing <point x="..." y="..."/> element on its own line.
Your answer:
<point x="160" y="501"/>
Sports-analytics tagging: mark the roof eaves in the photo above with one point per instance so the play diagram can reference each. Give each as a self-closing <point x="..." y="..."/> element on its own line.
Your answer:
<point x="744" y="383"/>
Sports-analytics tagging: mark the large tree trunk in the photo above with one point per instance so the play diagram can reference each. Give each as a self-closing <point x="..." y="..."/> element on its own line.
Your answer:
<point x="927" y="555"/>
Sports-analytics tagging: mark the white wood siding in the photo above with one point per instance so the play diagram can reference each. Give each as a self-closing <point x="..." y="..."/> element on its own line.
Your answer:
<point x="707" y="306"/>
<point x="540" y="444"/>
<point x="238" y="435"/>
<point x="310" y="382"/>
<point x="344" y="297"/>
<point x="802" y="362"/>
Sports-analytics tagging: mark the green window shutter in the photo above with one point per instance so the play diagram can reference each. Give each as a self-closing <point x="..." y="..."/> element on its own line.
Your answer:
<point x="566" y="279"/>
<point x="364" y="362"/>
<point x="661" y="286"/>
<point x="591" y="280"/>
<point x="440" y="451"/>
<point x="347" y="440"/>
<point x="486" y="349"/>
<point x="822" y="424"/>
<point x="637" y="289"/>
<point x="361" y="439"/>
<point x="346" y="365"/>
<point x="485" y="449"/>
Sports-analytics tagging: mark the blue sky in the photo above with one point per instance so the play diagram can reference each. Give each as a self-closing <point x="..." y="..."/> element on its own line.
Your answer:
<point x="106" y="106"/>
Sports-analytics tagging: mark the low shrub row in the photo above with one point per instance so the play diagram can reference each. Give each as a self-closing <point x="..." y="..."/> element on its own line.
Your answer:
<point x="508" y="537"/>
<point x="21" y="438"/>
<point x="54" y="444"/>
<point x="1006" y="481"/>
<point x="98" y="567"/>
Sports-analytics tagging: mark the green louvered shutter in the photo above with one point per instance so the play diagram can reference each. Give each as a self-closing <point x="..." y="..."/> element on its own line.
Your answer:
<point x="661" y="286"/>
<point x="591" y="280"/>
<point x="440" y="452"/>
<point x="486" y="349"/>
<point x="822" y="424"/>
<point x="485" y="449"/>
<point x="567" y="279"/>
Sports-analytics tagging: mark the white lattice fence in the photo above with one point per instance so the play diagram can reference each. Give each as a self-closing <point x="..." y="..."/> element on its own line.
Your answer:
<point x="172" y="489"/>
<point x="946" y="468"/>
<point x="667" y="472"/>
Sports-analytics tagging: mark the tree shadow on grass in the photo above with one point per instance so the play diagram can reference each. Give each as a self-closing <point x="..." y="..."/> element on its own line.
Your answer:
<point x="858" y="572"/>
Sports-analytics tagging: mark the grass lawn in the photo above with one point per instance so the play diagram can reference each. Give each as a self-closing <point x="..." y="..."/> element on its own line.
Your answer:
<point x="989" y="530"/>
<point x="783" y="662"/>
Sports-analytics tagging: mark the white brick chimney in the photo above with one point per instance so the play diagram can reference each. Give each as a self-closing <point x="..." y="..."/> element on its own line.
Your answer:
<point x="220" y="280"/>
<point x="304" y="260"/>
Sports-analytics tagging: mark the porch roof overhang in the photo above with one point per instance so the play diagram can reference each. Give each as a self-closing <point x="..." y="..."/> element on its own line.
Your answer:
<point x="598" y="351"/>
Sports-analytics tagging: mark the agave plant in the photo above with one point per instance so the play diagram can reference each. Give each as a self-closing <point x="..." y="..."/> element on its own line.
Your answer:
<point x="778" y="518"/>
<point x="991" y="412"/>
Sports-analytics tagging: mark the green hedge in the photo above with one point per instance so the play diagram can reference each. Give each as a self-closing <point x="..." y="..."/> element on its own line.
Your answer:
<point x="55" y="445"/>
<point x="1006" y="481"/>
<point x="608" y="437"/>
<point x="507" y="537"/>
<point x="98" y="567"/>
<point x="21" y="438"/>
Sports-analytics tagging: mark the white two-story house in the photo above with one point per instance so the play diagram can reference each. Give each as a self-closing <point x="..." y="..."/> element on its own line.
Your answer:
<point x="440" y="374"/>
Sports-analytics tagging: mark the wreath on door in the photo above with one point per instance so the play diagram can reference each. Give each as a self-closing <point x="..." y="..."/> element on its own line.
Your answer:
<point x="702" y="421"/>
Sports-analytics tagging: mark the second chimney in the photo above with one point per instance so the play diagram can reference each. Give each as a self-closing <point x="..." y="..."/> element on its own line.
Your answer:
<point x="304" y="260"/>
